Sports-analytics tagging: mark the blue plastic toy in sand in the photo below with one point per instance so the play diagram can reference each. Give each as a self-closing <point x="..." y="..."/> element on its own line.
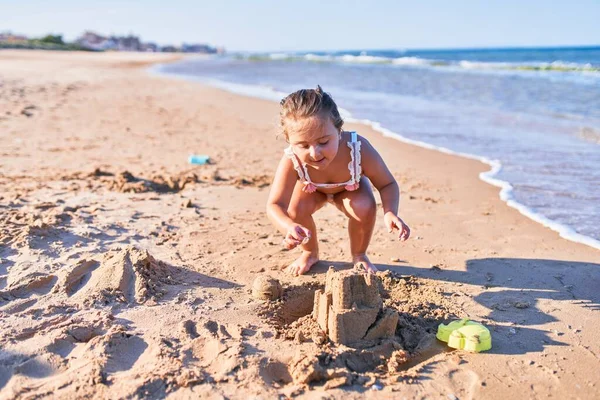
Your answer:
<point x="198" y="159"/>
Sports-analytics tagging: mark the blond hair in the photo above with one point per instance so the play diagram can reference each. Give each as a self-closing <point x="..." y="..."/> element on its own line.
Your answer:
<point x="306" y="103"/>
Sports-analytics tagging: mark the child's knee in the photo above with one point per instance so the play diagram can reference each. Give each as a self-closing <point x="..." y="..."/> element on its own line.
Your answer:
<point x="301" y="210"/>
<point x="364" y="208"/>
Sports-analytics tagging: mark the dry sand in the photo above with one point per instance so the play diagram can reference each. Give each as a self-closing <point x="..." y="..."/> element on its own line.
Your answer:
<point x="127" y="273"/>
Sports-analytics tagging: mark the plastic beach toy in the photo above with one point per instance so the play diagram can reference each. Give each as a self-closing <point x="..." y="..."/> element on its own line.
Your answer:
<point x="444" y="331"/>
<point x="465" y="335"/>
<point x="198" y="159"/>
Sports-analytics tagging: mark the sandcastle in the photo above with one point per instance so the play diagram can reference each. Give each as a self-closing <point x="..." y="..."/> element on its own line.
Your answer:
<point x="350" y="308"/>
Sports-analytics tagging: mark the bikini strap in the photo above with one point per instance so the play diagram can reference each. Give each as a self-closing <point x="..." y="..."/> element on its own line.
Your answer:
<point x="300" y="169"/>
<point x="354" y="165"/>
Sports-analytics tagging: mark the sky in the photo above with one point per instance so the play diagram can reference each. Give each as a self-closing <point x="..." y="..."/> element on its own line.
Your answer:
<point x="281" y="25"/>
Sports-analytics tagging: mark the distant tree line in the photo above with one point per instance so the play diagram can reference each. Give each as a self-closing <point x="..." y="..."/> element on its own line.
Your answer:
<point x="48" y="42"/>
<point x="91" y="41"/>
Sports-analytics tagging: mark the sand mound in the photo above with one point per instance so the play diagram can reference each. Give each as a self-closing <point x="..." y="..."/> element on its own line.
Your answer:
<point x="339" y="366"/>
<point x="127" y="183"/>
<point x="20" y="229"/>
<point x="266" y="288"/>
<point x="129" y="275"/>
<point x="421" y="306"/>
<point x="259" y="181"/>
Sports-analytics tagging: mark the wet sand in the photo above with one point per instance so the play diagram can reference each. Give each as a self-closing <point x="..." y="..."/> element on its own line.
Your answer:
<point x="127" y="272"/>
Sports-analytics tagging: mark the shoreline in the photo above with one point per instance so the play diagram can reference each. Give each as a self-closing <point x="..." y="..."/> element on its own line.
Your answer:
<point x="125" y="272"/>
<point x="505" y="194"/>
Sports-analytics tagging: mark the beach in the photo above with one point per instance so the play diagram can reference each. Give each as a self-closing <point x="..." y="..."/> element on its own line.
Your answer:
<point x="127" y="272"/>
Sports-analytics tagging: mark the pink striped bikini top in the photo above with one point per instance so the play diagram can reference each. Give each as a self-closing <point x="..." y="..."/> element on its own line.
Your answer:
<point x="353" y="166"/>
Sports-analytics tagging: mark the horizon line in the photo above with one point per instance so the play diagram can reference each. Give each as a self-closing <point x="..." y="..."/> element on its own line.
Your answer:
<point x="405" y="49"/>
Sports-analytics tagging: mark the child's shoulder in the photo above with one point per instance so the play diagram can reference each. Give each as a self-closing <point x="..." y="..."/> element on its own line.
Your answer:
<point x="350" y="136"/>
<point x="368" y="153"/>
<point x="365" y="145"/>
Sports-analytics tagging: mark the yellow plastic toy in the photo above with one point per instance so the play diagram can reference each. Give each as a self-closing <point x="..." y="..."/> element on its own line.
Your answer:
<point x="465" y="335"/>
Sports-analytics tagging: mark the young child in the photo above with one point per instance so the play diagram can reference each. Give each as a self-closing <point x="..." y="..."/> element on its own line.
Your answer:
<point x="324" y="163"/>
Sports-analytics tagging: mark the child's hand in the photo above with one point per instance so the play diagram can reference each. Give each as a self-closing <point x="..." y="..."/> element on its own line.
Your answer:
<point x="296" y="235"/>
<point x="392" y="221"/>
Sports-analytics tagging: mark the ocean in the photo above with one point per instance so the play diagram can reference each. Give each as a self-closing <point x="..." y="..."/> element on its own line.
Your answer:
<point x="532" y="114"/>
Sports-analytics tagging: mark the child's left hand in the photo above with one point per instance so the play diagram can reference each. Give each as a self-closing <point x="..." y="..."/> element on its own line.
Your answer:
<point x="392" y="221"/>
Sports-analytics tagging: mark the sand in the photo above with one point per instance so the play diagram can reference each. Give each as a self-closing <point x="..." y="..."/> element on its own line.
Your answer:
<point x="127" y="273"/>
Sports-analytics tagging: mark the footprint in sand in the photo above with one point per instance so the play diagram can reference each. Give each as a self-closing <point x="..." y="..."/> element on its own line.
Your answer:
<point x="213" y="347"/>
<point x="122" y="351"/>
<point x="41" y="366"/>
<point x="17" y="306"/>
<point x="75" y="279"/>
<point x="463" y="382"/>
<point x="23" y="286"/>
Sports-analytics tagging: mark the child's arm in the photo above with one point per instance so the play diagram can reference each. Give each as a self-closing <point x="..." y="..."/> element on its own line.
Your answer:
<point x="380" y="176"/>
<point x="279" y="200"/>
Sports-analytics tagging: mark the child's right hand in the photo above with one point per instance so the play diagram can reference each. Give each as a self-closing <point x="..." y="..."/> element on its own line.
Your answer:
<point x="296" y="235"/>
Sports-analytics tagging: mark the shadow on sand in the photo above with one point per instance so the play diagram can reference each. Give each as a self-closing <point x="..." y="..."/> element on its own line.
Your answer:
<point x="515" y="291"/>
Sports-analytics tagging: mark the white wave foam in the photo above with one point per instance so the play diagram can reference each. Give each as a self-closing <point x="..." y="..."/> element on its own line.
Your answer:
<point x="569" y="65"/>
<point x="363" y="58"/>
<point x="555" y="66"/>
<point x="279" y="56"/>
<point x="316" y="57"/>
<point x="579" y="72"/>
<point x="489" y="177"/>
<point x="482" y="65"/>
<point x="411" y="61"/>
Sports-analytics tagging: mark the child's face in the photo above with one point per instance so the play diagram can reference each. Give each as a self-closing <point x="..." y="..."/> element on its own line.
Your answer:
<point x="315" y="140"/>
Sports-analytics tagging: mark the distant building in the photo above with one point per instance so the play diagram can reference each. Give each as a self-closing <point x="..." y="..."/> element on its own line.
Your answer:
<point x="127" y="43"/>
<point x="93" y="41"/>
<point x="7" y="37"/>
<point x="149" y="47"/>
<point x="198" y="48"/>
<point x="169" y="49"/>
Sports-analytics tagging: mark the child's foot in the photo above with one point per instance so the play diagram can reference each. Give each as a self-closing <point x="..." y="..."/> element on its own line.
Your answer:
<point x="361" y="261"/>
<point x="303" y="263"/>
